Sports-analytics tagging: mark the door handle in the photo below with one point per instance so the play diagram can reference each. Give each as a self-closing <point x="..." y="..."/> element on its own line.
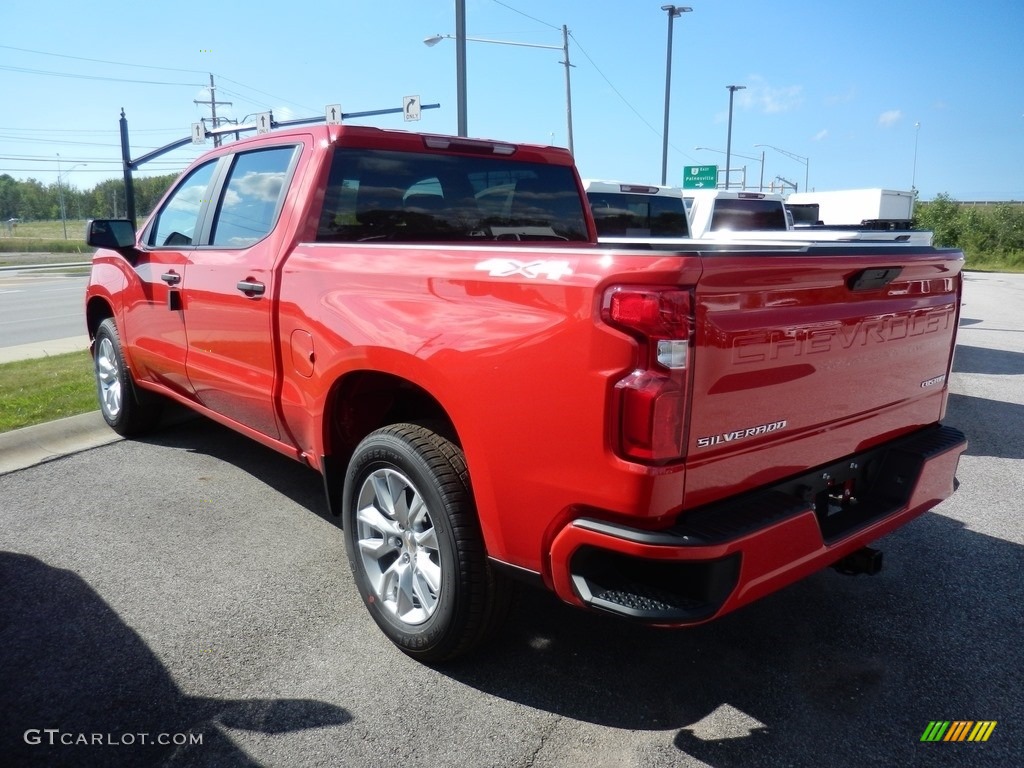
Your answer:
<point x="251" y="288"/>
<point x="171" y="278"/>
<point x="873" y="279"/>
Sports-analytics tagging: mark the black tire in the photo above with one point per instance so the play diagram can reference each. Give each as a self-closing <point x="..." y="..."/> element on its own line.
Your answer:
<point x="128" y="411"/>
<point x="414" y="543"/>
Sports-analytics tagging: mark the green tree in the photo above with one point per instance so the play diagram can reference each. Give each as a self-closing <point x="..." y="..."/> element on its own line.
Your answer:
<point x="34" y="203"/>
<point x="149" y="190"/>
<point x="10" y="198"/>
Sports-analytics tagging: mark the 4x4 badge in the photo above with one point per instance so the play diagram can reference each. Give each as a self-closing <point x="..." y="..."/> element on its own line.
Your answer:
<point x="552" y="270"/>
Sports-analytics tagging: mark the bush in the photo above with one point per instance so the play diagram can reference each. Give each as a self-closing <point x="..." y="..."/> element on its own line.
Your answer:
<point x="991" y="236"/>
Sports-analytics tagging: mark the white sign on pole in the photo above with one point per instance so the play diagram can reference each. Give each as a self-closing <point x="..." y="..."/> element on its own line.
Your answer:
<point x="263" y="121"/>
<point x="411" y="108"/>
<point x="333" y="114"/>
<point x="198" y="133"/>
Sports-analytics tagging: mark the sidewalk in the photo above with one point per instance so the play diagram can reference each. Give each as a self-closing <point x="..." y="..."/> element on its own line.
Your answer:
<point x="43" y="348"/>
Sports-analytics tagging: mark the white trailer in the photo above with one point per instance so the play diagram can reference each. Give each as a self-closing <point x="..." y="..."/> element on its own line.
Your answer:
<point x="870" y="208"/>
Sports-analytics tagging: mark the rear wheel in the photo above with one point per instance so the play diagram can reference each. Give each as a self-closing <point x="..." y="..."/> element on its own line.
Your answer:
<point x="127" y="411"/>
<point x="415" y="546"/>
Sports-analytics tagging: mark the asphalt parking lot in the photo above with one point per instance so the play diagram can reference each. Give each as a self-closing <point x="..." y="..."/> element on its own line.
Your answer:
<point x="192" y="587"/>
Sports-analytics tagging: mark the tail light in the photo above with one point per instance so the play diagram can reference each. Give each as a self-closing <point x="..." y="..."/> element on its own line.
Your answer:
<point x="651" y="402"/>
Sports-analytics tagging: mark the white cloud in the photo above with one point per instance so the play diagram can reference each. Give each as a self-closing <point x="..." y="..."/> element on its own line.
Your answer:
<point x="891" y="117"/>
<point x="820" y="135"/>
<point x="842" y="98"/>
<point x="770" y="99"/>
<point x="775" y="100"/>
<point x="284" y="113"/>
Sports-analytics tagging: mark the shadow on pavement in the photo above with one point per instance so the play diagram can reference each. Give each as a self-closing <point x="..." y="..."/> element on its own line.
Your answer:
<point x="68" y="662"/>
<point x="988" y="361"/>
<point x="833" y="671"/>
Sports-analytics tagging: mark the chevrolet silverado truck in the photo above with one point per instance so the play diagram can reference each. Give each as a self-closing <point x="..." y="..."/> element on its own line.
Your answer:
<point x="491" y="395"/>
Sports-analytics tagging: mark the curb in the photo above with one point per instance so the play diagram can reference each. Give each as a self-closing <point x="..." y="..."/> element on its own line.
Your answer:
<point x="29" y="446"/>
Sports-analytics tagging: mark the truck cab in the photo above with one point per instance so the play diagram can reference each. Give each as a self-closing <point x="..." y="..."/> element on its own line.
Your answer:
<point x="637" y="210"/>
<point x="714" y="211"/>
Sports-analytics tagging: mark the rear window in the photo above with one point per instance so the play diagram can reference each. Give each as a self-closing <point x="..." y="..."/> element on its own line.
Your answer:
<point x="624" y="215"/>
<point x="746" y="215"/>
<point x="380" y="195"/>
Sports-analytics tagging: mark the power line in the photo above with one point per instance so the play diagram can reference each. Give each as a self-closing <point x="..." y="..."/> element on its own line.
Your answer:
<point x="257" y="90"/>
<point x="26" y="70"/>
<point x="633" y="109"/>
<point x="141" y="66"/>
<point x="168" y="167"/>
<point x="532" y="18"/>
<point x="90" y="130"/>
<point x="23" y="139"/>
<point x="99" y="60"/>
<point x="594" y="64"/>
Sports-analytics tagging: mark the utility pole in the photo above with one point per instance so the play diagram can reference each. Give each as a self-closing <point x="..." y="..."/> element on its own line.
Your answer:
<point x="213" y="109"/>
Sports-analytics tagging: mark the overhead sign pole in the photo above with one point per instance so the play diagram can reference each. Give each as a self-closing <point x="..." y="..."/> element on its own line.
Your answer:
<point x="264" y="123"/>
<point x="126" y="164"/>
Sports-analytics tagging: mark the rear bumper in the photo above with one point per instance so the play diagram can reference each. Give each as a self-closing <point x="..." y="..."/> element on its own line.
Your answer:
<point x="725" y="555"/>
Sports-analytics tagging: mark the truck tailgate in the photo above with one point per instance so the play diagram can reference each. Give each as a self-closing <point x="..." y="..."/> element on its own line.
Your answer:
<point x="804" y="357"/>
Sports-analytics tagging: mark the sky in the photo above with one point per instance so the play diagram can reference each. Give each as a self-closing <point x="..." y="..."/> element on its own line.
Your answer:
<point x="843" y="95"/>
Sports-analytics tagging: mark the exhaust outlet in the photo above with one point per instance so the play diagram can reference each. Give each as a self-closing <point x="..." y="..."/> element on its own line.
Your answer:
<point x="864" y="560"/>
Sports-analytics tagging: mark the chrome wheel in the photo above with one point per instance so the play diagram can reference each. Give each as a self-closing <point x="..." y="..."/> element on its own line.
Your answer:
<point x="108" y="379"/>
<point x="398" y="547"/>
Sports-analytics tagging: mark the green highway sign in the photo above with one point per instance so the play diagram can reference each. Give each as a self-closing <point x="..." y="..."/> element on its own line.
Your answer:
<point x="700" y="177"/>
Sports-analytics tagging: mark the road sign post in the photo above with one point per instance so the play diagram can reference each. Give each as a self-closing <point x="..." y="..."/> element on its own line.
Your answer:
<point x="700" y="177"/>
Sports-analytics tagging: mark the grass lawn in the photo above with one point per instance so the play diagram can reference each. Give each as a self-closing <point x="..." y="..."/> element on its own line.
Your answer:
<point x="46" y="236"/>
<point x="44" y="389"/>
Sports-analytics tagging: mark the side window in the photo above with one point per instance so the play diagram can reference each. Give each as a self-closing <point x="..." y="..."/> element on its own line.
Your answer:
<point x="176" y="222"/>
<point x="252" y="197"/>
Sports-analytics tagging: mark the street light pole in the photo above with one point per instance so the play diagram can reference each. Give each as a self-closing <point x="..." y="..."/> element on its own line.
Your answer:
<point x="60" y="197"/>
<point x="568" y="86"/>
<point x="60" y="193"/>
<point x="800" y="158"/>
<point x="460" y="65"/>
<point x="728" y="138"/>
<point x="564" y="48"/>
<point x="913" y="176"/>
<point x="673" y="11"/>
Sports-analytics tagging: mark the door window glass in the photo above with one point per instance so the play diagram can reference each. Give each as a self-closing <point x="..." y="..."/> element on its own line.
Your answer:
<point x="176" y="223"/>
<point x="252" y="197"/>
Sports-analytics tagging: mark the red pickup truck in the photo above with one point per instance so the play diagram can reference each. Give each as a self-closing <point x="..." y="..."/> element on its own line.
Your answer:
<point x="490" y="394"/>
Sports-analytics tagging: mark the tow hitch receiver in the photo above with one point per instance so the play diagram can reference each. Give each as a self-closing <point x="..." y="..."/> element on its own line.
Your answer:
<point x="864" y="560"/>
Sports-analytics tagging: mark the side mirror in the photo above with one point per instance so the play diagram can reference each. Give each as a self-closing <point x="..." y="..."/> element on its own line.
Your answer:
<point x="115" y="234"/>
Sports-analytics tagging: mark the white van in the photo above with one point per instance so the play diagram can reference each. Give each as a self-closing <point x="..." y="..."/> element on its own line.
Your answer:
<point x="636" y="210"/>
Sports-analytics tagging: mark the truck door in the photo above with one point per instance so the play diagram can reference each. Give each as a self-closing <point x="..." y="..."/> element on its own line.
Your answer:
<point x="154" y="324"/>
<point x="230" y="288"/>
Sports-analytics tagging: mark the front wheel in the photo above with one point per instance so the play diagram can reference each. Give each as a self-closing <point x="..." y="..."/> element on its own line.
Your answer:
<point x="124" y="408"/>
<point x="415" y="546"/>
